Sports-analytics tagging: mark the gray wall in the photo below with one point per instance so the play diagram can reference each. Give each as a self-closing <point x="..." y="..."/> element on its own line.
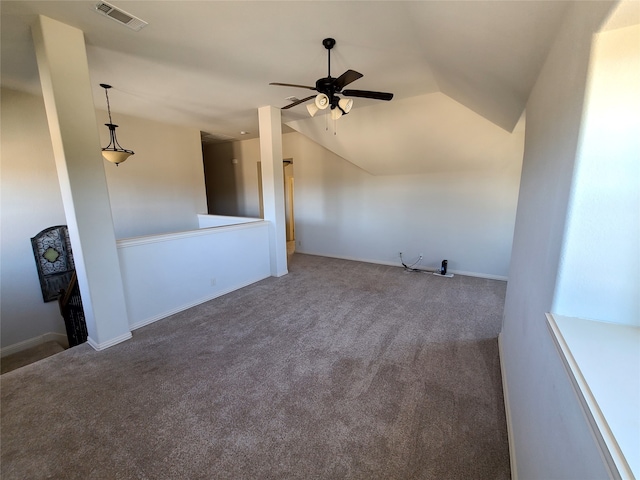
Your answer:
<point x="600" y="263"/>
<point x="220" y="179"/>
<point x="158" y="190"/>
<point x="463" y="215"/>
<point x="31" y="202"/>
<point x="231" y="175"/>
<point x="550" y="436"/>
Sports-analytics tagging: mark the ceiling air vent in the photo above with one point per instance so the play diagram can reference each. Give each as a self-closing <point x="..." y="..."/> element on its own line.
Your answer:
<point x="120" y="16"/>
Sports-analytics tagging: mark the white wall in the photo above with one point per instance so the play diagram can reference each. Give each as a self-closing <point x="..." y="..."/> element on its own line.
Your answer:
<point x="463" y="215"/>
<point x="159" y="189"/>
<point x="549" y="434"/>
<point x="30" y="201"/>
<point x="165" y="274"/>
<point x="600" y="268"/>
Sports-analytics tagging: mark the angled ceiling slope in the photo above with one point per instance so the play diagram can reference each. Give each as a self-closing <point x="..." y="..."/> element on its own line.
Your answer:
<point x="424" y="134"/>
<point x="207" y="64"/>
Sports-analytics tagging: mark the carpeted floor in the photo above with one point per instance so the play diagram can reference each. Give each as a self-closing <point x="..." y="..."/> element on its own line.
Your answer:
<point x="30" y="355"/>
<point x="339" y="370"/>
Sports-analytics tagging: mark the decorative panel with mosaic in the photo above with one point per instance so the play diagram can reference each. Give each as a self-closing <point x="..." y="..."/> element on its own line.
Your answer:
<point x="54" y="260"/>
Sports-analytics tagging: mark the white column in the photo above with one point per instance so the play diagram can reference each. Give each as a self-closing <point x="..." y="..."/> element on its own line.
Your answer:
<point x="66" y="87"/>
<point x="273" y="186"/>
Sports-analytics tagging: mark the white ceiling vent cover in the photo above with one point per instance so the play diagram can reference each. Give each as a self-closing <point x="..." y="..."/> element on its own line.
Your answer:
<point x="120" y="16"/>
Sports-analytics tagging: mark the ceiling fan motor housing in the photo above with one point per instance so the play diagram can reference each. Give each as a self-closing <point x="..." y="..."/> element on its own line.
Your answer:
<point x="327" y="86"/>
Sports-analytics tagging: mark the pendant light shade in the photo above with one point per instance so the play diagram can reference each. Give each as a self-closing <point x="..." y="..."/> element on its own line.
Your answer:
<point x="116" y="156"/>
<point x="321" y="101"/>
<point x="336" y="113"/>
<point x="113" y="152"/>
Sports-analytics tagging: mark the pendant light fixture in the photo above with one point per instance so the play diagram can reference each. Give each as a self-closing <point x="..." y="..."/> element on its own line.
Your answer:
<point x="113" y="152"/>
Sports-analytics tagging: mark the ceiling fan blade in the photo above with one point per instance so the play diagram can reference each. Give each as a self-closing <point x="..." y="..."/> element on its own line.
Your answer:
<point x="292" y="85"/>
<point x="368" y="94"/>
<point x="298" y="102"/>
<point x="346" y="78"/>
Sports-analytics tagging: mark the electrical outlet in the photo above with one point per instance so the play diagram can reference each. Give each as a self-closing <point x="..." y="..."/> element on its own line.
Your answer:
<point x="213" y="281"/>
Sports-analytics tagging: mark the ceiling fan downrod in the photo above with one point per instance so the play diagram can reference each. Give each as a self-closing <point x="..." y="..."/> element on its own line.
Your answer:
<point x="329" y="43"/>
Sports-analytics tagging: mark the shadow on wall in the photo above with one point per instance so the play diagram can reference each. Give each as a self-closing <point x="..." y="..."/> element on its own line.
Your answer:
<point x="220" y="179"/>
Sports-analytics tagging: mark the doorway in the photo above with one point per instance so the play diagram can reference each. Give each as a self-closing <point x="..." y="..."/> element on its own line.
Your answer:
<point x="289" y="205"/>
<point x="290" y="224"/>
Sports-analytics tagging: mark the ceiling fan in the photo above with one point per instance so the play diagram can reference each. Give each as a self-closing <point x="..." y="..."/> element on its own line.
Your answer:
<point x="328" y="88"/>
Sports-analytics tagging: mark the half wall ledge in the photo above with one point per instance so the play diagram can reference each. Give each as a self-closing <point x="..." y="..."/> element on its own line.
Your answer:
<point x="603" y="362"/>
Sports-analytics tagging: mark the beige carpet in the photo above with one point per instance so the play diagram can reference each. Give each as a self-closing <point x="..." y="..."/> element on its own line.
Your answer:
<point x="338" y="370"/>
<point x="29" y="355"/>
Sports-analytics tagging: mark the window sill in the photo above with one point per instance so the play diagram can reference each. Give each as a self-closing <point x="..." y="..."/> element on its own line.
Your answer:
<point x="603" y="362"/>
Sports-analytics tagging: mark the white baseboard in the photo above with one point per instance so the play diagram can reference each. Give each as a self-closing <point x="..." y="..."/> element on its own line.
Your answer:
<point x="181" y="308"/>
<point x="114" y="341"/>
<point x="488" y="276"/>
<point x="398" y="264"/>
<point x="34" y="342"/>
<point x="507" y="411"/>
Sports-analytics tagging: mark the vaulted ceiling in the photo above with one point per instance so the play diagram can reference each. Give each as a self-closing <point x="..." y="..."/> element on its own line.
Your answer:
<point x="208" y="64"/>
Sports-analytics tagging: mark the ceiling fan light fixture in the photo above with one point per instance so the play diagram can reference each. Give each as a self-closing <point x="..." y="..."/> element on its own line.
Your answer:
<point x="328" y="88"/>
<point x="321" y="101"/>
<point x="312" y="109"/>
<point x="345" y="104"/>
